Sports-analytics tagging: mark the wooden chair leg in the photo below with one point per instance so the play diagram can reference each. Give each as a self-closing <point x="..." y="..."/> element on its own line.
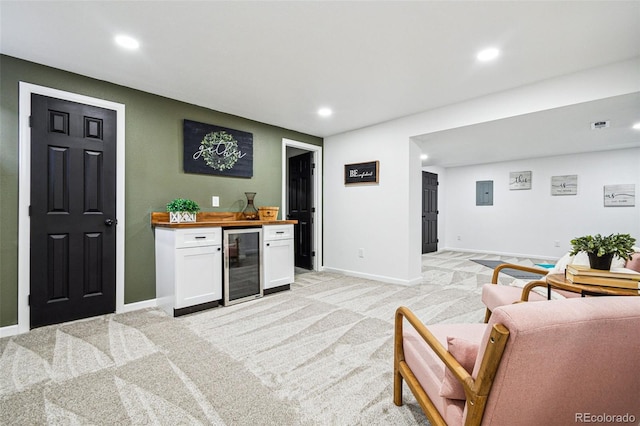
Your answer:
<point x="397" y="388"/>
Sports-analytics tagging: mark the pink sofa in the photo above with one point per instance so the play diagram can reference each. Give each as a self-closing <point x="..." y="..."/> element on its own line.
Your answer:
<point x="494" y="295"/>
<point x="561" y="362"/>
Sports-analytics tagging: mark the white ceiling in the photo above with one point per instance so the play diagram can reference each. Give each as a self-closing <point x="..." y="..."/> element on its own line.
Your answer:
<point x="277" y="61"/>
<point x="558" y="131"/>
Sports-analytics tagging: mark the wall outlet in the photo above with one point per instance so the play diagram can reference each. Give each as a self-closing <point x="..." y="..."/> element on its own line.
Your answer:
<point x="215" y="201"/>
<point x="360" y="252"/>
<point x="459" y="238"/>
<point x="556" y="243"/>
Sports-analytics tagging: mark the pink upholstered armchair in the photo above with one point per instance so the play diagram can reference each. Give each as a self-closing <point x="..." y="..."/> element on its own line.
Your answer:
<point x="559" y="362"/>
<point x="494" y="295"/>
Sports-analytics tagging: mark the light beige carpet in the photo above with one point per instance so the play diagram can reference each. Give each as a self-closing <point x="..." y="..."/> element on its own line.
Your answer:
<point x="320" y="354"/>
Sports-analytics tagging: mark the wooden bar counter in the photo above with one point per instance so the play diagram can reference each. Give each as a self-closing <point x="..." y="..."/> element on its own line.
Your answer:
<point x="214" y="219"/>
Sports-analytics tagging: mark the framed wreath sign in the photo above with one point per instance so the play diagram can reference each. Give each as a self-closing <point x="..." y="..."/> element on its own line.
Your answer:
<point x="216" y="150"/>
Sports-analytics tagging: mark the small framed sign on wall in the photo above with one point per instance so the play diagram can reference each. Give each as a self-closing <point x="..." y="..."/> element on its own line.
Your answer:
<point x="564" y="185"/>
<point x="620" y="195"/>
<point x="519" y="180"/>
<point x="361" y="173"/>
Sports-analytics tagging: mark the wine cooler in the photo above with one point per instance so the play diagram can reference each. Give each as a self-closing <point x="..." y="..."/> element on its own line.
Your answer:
<point x="242" y="265"/>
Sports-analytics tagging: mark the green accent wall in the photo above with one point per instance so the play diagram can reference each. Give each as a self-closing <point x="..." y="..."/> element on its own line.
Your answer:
<point x="153" y="169"/>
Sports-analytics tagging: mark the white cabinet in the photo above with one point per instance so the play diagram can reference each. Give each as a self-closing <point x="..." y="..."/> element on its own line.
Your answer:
<point x="188" y="268"/>
<point x="278" y="257"/>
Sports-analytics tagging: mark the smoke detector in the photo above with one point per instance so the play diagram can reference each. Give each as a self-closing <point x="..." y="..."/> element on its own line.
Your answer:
<point x="600" y="125"/>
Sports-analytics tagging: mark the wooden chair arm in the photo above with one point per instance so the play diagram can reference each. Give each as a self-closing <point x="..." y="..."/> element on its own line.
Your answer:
<point x="528" y="287"/>
<point x="476" y="391"/>
<point x="496" y="271"/>
<point x="450" y="362"/>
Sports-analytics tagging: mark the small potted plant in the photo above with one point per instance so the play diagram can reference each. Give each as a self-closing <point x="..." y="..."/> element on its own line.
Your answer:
<point x="601" y="250"/>
<point x="182" y="210"/>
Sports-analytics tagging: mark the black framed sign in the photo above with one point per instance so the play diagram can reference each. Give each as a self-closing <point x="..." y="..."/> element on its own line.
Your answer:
<point x="361" y="173"/>
<point x="217" y="150"/>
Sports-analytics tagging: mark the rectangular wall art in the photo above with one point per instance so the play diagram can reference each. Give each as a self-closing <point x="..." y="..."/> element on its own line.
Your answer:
<point x="620" y="195"/>
<point x="217" y="150"/>
<point x="519" y="180"/>
<point x="564" y="185"/>
<point x="361" y="173"/>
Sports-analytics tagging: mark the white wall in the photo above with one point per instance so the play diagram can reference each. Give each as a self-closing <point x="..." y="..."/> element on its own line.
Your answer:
<point x="385" y="219"/>
<point x="529" y="222"/>
<point x="356" y="211"/>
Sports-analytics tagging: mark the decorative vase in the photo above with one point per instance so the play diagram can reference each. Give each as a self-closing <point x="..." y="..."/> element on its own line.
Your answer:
<point x="181" y="217"/>
<point x="600" y="262"/>
<point x="250" y="212"/>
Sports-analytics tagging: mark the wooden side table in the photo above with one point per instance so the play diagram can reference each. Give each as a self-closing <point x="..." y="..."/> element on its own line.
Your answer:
<point x="559" y="281"/>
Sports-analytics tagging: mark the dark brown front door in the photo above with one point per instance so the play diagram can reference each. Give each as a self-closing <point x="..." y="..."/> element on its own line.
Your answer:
<point x="429" y="212"/>
<point x="301" y="207"/>
<point x="72" y="212"/>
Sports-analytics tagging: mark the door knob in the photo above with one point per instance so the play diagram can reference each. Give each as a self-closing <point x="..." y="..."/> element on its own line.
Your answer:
<point x="111" y="222"/>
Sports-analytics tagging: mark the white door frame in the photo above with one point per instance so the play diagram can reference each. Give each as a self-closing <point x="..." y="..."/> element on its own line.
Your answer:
<point x="24" y="192"/>
<point x="317" y="194"/>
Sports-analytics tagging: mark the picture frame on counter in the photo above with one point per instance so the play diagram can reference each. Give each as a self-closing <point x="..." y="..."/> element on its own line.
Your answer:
<point x="362" y="173"/>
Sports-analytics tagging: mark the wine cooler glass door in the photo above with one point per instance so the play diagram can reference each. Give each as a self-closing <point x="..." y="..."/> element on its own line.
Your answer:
<point x="242" y="265"/>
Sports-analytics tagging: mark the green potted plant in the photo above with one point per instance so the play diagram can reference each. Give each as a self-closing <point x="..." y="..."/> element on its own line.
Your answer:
<point x="601" y="250"/>
<point x="182" y="210"/>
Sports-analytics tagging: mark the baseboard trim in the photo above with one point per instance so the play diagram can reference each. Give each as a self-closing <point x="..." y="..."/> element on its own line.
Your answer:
<point x="13" y="330"/>
<point x="10" y="330"/>
<point x="499" y="253"/>
<point x="381" y="278"/>
<point x="151" y="303"/>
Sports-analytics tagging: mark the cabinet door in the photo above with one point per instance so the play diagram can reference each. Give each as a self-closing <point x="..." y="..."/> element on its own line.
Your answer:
<point x="198" y="275"/>
<point x="278" y="263"/>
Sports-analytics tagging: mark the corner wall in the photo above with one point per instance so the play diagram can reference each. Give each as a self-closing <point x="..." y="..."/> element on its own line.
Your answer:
<point x="356" y="242"/>
<point x="384" y="220"/>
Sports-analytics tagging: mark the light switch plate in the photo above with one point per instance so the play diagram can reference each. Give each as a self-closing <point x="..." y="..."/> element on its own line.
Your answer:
<point x="215" y="201"/>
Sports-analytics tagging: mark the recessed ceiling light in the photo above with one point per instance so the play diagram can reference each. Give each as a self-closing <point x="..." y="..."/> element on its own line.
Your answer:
<point x="636" y="126"/>
<point x="325" y="112"/>
<point x="424" y="156"/>
<point x="488" y="54"/>
<point x="127" y="42"/>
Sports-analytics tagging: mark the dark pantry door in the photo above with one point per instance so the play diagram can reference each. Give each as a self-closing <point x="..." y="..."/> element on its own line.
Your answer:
<point x="301" y="207"/>
<point x="429" y="212"/>
<point x="72" y="212"/>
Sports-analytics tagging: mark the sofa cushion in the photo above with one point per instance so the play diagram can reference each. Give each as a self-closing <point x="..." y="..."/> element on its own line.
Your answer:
<point x="465" y="352"/>
<point x="634" y="263"/>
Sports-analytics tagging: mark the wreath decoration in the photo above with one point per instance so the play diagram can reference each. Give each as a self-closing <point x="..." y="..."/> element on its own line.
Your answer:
<point x="220" y="150"/>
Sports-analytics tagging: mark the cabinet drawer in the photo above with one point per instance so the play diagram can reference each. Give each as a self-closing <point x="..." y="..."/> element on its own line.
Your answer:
<point x="277" y="232"/>
<point x="198" y="237"/>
